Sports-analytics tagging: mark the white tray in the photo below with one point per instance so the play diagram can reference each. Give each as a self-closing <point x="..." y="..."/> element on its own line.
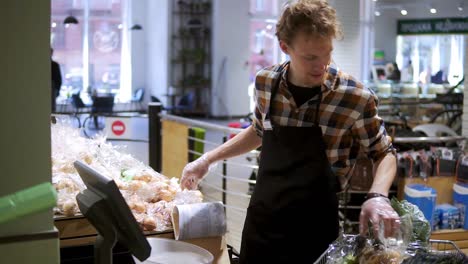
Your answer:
<point x="169" y="251"/>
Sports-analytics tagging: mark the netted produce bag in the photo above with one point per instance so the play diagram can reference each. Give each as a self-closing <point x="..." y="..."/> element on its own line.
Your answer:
<point x="418" y="228"/>
<point x="363" y="250"/>
<point x="150" y="195"/>
<point x="411" y="237"/>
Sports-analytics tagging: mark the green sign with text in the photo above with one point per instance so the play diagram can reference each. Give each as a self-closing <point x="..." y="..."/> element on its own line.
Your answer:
<point x="433" y="26"/>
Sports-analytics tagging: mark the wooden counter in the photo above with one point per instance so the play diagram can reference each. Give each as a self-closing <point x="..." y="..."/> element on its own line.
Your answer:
<point x="77" y="231"/>
<point x="458" y="236"/>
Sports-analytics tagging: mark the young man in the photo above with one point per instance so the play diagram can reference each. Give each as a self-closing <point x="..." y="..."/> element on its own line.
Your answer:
<point x="311" y="121"/>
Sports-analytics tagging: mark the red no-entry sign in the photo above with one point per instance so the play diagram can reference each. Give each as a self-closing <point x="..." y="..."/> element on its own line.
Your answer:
<point x="118" y="127"/>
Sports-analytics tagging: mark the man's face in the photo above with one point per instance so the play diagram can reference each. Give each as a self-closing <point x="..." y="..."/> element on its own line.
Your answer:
<point x="310" y="56"/>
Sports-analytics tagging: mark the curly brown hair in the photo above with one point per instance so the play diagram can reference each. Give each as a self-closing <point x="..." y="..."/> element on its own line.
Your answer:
<point x="314" y="17"/>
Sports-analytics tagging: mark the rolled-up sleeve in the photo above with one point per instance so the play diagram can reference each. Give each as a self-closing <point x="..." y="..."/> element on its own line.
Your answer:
<point x="263" y="81"/>
<point x="257" y="120"/>
<point x="370" y="130"/>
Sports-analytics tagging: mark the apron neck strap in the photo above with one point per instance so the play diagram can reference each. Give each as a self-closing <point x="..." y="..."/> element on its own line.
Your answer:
<point x="317" y="109"/>
<point x="274" y="89"/>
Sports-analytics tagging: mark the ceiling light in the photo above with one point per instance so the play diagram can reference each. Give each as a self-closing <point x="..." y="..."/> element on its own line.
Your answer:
<point x="120" y="26"/>
<point x="70" y="20"/>
<point x="433" y="10"/>
<point x="375" y="0"/>
<point x="377" y="13"/>
<point x="460" y="8"/>
<point x="54" y="24"/>
<point x="404" y="12"/>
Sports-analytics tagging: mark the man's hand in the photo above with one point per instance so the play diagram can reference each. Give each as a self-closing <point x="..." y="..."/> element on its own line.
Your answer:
<point x="194" y="172"/>
<point x="376" y="210"/>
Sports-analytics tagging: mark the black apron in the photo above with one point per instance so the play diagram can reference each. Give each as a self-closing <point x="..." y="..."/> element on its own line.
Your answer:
<point x="294" y="199"/>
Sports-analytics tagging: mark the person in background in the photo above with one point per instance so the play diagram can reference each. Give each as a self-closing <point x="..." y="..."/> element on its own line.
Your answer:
<point x="425" y="75"/>
<point x="56" y="80"/>
<point x="408" y="72"/>
<point x="439" y="77"/>
<point x="393" y="73"/>
<point x="311" y="120"/>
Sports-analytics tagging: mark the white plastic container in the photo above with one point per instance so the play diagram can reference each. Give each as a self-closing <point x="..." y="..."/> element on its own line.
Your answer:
<point x="169" y="251"/>
<point x="460" y="199"/>
<point x="424" y="197"/>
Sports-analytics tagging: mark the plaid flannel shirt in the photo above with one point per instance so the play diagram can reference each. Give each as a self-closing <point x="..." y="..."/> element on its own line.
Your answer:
<point x="348" y="116"/>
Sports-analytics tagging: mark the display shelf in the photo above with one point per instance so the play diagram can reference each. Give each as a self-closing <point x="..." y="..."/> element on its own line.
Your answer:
<point x="444" y="188"/>
<point x="191" y="57"/>
<point x="442" y="184"/>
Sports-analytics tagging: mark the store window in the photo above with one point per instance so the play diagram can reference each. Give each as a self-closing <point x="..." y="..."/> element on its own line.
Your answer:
<point x="90" y="52"/>
<point x="435" y="59"/>
<point x="264" y="48"/>
<point x="259" y="5"/>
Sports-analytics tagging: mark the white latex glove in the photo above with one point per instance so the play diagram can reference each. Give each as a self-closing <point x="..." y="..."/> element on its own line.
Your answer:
<point x="194" y="172"/>
<point x="375" y="211"/>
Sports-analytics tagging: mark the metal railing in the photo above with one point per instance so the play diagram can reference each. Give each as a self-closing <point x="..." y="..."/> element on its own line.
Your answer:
<point x="428" y="139"/>
<point x="225" y="130"/>
<point x="228" y="181"/>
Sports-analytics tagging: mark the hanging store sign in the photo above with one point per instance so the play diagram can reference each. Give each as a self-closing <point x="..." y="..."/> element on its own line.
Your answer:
<point x="433" y="26"/>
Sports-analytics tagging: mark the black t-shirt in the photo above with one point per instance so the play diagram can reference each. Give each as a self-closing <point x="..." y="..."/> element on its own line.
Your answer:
<point x="303" y="94"/>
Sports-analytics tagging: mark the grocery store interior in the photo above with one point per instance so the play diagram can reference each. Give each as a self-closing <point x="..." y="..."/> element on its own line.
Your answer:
<point x="147" y="86"/>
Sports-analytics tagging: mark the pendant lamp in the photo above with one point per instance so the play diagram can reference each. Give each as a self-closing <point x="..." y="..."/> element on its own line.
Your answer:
<point x="136" y="27"/>
<point x="70" y="20"/>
